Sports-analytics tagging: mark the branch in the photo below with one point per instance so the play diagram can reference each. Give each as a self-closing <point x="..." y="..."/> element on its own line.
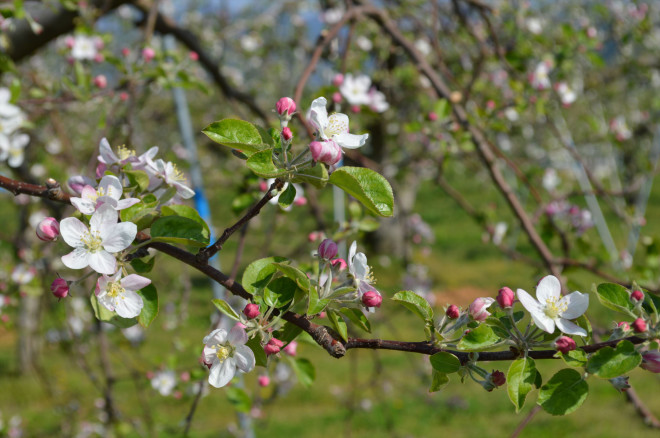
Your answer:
<point x="51" y="191"/>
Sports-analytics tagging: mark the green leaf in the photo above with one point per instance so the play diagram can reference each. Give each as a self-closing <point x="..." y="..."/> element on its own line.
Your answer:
<point x="615" y="297"/>
<point x="338" y="323"/>
<point x="187" y="212"/>
<point x="316" y="305"/>
<point x="316" y="176"/>
<point x="368" y="224"/>
<point x="288" y="332"/>
<point x="478" y="338"/>
<point x="266" y="138"/>
<point x="239" y="399"/>
<point x="236" y="134"/>
<point x="415" y="304"/>
<point x="564" y="392"/>
<point x="304" y="371"/>
<point x="445" y="363"/>
<point x="250" y="279"/>
<point x="138" y="178"/>
<point x="440" y="380"/>
<point x="259" y="354"/>
<point x="225" y="308"/>
<point x="179" y="230"/>
<point x="105" y="315"/>
<point x="294" y="274"/>
<point x="609" y="362"/>
<point x="367" y="186"/>
<point x="287" y="196"/>
<point x="142" y="267"/>
<point x="150" y="305"/>
<point x="357" y="317"/>
<point x="279" y="292"/>
<point x="576" y="358"/>
<point x="141" y="214"/>
<point x="520" y="379"/>
<point x="262" y="164"/>
<point x="442" y="109"/>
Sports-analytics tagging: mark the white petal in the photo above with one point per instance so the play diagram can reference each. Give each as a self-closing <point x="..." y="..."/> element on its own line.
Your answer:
<point x="16" y="159"/>
<point x="237" y="336"/>
<point x="222" y="373"/>
<point x="543" y="321"/>
<point x="20" y="140"/>
<point x="244" y="358"/>
<point x="125" y="203"/>
<point x="107" y="156"/>
<point x="72" y="231"/>
<point x="217" y="336"/>
<point x="549" y="288"/>
<point x="76" y="259"/>
<point x="208" y="354"/>
<point x="351" y="252"/>
<point x="104" y="217"/>
<point x="130" y="305"/>
<point x="84" y="206"/>
<point x="569" y="328"/>
<point x="102" y="262"/>
<point x="134" y="282"/>
<point x="350" y="141"/>
<point x="107" y="302"/>
<point x="184" y="191"/>
<point x="536" y="310"/>
<point x="577" y="304"/>
<point x="318" y="114"/>
<point x="111" y="186"/>
<point x="120" y="237"/>
<point x="360" y="267"/>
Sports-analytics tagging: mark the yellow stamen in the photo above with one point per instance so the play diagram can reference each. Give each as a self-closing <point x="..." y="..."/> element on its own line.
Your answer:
<point x="115" y="290"/>
<point x="222" y="352"/>
<point x="123" y="152"/>
<point x="554" y="307"/>
<point x="92" y="241"/>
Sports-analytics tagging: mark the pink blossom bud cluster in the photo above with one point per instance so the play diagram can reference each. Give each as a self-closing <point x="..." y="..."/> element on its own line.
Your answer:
<point x="639" y="325"/>
<point x="453" y="312"/>
<point x="285" y="108"/>
<point x="636" y="296"/>
<point x="505" y="298"/>
<point x="251" y="311"/>
<point x="565" y="344"/>
<point x="48" y="229"/>
<point x="60" y="288"/>
<point x="477" y="309"/>
<point x="327" y="152"/>
<point x="273" y="346"/>
<point x="372" y="299"/>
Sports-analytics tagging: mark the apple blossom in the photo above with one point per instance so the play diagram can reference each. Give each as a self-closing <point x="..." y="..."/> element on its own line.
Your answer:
<point x="338" y="79"/>
<point x="335" y="127"/>
<point x="565" y="344"/>
<point x="291" y="349"/>
<point x="327" y="249"/>
<point x="355" y="89"/>
<point x="453" y="312"/>
<point x="60" y="287"/>
<point x="148" y="54"/>
<point x="95" y="246"/>
<point x="372" y="298"/>
<point x="224" y="353"/>
<point x="83" y="47"/>
<point x="361" y="272"/>
<point x="286" y="133"/>
<point x="251" y="311"/>
<point x="540" y="79"/>
<point x="285" y="107"/>
<point x="505" y="298"/>
<point x="12" y="148"/>
<point x="639" y="325"/>
<point x="170" y="175"/>
<point x="109" y="192"/>
<point x="263" y="381"/>
<point x="125" y="156"/>
<point x="100" y="81"/>
<point x="23" y="273"/>
<point x="11" y="116"/>
<point x="377" y="101"/>
<point x="477" y="309"/>
<point x="119" y="294"/>
<point x="48" y="229"/>
<point x="164" y="382"/>
<point x="327" y="152"/>
<point x="552" y="309"/>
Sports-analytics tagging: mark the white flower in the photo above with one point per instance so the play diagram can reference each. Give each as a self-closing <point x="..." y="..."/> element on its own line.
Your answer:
<point x="361" y="272"/>
<point x="12" y="148"/>
<point x="224" y="353"/>
<point x="168" y="172"/>
<point x="332" y="15"/>
<point x="535" y="25"/>
<point x="84" y="47"/>
<point x="355" y="89"/>
<point x="120" y="295"/>
<point x="620" y="129"/>
<point x="566" y="94"/>
<point x="499" y="232"/>
<point x="540" y="78"/>
<point x="23" y="274"/>
<point x="109" y="192"/>
<point x="378" y="103"/>
<point x="423" y="46"/>
<point x="11" y="116"/>
<point x="364" y="43"/>
<point x="552" y="309"/>
<point x="125" y="155"/>
<point x="550" y="179"/>
<point x="164" y="382"/>
<point x="335" y="127"/>
<point x="95" y="246"/>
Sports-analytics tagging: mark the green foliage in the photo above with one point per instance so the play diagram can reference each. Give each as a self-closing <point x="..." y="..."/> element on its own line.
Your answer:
<point x="338" y="323"/>
<point x="479" y="338"/>
<point x="615" y="297"/>
<point x="250" y="279"/>
<point x="150" y="305"/>
<point x="445" y="363"/>
<point x="180" y="230"/>
<point x="521" y="379"/>
<point x="439" y="381"/>
<point x="564" y="392"/>
<point x="225" y="308"/>
<point x="237" y="134"/>
<point x="262" y="164"/>
<point x="609" y="362"/>
<point x="357" y="317"/>
<point x="367" y="186"/>
<point x="416" y="304"/>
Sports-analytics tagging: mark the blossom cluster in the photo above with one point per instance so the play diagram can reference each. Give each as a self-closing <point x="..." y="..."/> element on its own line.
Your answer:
<point x="12" y="142"/>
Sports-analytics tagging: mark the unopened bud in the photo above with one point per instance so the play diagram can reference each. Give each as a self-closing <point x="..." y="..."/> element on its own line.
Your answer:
<point x="285" y="107"/>
<point x="286" y="133"/>
<point x="328" y="249"/>
<point x="101" y="81"/>
<point x="263" y="381"/>
<point x="327" y="152"/>
<point x="339" y="265"/>
<point x="148" y="54"/>
<point x="620" y="383"/>
<point x="251" y="311"/>
<point x="624" y="325"/>
<point x="60" y="287"/>
<point x="433" y="116"/>
<point x="639" y="325"/>
<point x="477" y="309"/>
<point x="505" y="298"/>
<point x="194" y="56"/>
<point x="565" y="344"/>
<point x="453" y="312"/>
<point x="338" y="79"/>
<point x="498" y="378"/>
<point x="372" y="299"/>
<point x="125" y="52"/>
<point x="291" y="349"/>
<point x="273" y="346"/>
<point x="300" y="201"/>
<point x="651" y="361"/>
<point x="637" y="295"/>
<point x="48" y="229"/>
<point x="336" y="97"/>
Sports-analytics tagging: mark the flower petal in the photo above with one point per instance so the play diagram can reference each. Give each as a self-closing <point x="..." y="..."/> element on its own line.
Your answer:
<point x="536" y="309"/>
<point x="569" y="328"/>
<point x="544" y="322"/>
<point x="237" y="336"/>
<point x="244" y="357"/>
<point x="107" y="156"/>
<point x="120" y="237"/>
<point x="318" y="114"/>
<point x="217" y="336"/>
<point x="130" y="305"/>
<point x="577" y="304"/>
<point x="350" y="141"/>
<point x="360" y="267"/>
<point x="85" y="206"/>
<point x="222" y="373"/>
<point x="104" y="217"/>
<point x="548" y="288"/>
<point x="102" y="262"/>
<point x="111" y="187"/>
<point x="72" y="230"/>
<point x="125" y="203"/>
<point x="76" y="259"/>
<point x="134" y="282"/>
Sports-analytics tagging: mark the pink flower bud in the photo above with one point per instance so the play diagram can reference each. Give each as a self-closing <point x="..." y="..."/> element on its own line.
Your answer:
<point x="637" y="295"/>
<point x="639" y="325"/>
<point x="291" y="349"/>
<point x="299" y="202"/>
<point x="48" y="229"/>
<point x="372" y="299"/>
<point x="99" y="58"/>
<point x="150" y="375"/>
<point x="286" y="133"/>
<point x="322" y="315"/>
<point x="498" y="378"/>
<point x="273" y="346"/>
<point x="148" y="54"/>
<point x="624" y="325"/>
<point x="505" y="298"/>
<point x="263" y="186"/>
<point x="490" y="105"/>
<point x="328" y="249"/>
<point x="251" y="311"/>
<point x="263" y="381"/>
<point x="240" y="324"/>
<point x="339" y="264"/>
<point x="276" y="342"/>
<point x="59" y="287"/>
<point x="356" y="109"/>
<point x="101" y="81"/>
<point x="336" y="97"/>
<point x="433" y="116"/>
<point x="477" y="309"/>
<point x="70" y="42"/>
<point x="313" y="236"/>
<point x="651" y="361"/>
<point x="565" y="344"/>
<point x="123" y="96"/>
<point x="125" y="52"/>
<point x="453" y="312"/>
<point x="327" y="152"/>
<point x="285" y="107"/>
<point x="194" y="56"/>
<point x="177" y="395"/>
<point x="185" y="376"/>
<point x="100" y="170"/>
<point x="338" y="79"/>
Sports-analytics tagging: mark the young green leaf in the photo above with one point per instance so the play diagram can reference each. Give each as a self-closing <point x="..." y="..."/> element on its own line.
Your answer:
<point x="615" y="297"/>
<point x="338" y="323"/>
<point x="287" y="196"/>
<point x="440" y="380"/>
<point x="236" y="134"/>
<point x="250" y="279"/>
<point x="225" y="308"/>
<point x="564" y="392"/>
<point x="367" y="186"/>
<point x="179" y="230"/>
<point x="261" y="163"/>
<point x="479" y="338"/>
<point x="415" y="304"/>
<point x="521" y="379"/>
<point x="150" y="305"/>
<point x="357" y="317"/>
<point x="609" y="362"/>
<point x="445" y="363"/>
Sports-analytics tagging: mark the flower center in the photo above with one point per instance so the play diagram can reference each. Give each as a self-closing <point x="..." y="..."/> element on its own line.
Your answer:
<point x="123" y="153"/>
<point x="176" y="175"/>
<point x="115" y="290"/>
<point x="222" y="352"/>
<point x="336" y="126"/>
<point x="553" y="308"/>
<point x="92" y="241"/>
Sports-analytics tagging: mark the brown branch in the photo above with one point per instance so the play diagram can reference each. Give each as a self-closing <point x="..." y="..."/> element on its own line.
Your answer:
<point x="645" y="413"/>
<point x="205" y="254"/>
<point x="51" y="190"/>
